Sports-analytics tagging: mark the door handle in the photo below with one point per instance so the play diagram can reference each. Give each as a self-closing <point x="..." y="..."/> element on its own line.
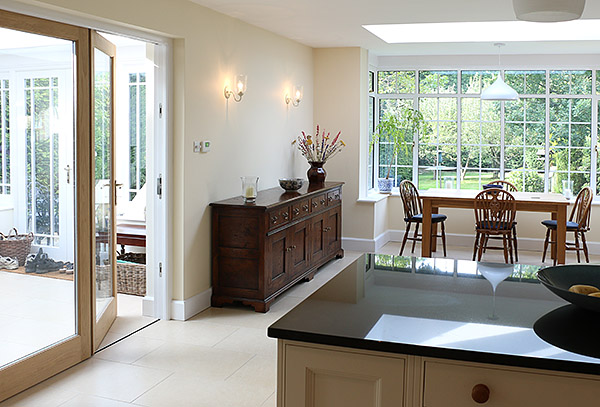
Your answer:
<point x="68" y="170"/>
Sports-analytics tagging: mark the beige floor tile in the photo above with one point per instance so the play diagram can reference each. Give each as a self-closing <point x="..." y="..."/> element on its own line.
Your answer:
<point x="111" y="337"/>
<point x="251" y="340"/>
<point x="129" y="349"/>
<point x="260" y="371"/>
<point x="84" y="400"/>
<point x="217" y="364"/>
<point x="194" y="331"/>
<point x="117" y="381"/>
<point x="42" y="395"/>
<point x="271" y="401"/>
<point x="128" y="324"/>
<point x="184" y="389"/>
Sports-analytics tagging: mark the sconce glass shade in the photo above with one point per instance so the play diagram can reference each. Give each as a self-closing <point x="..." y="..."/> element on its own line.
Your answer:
<point x="239" y="88"/>
<point x="548" y="10"/>
<point x="296" y="97"/>
<point x="499" y="90"/>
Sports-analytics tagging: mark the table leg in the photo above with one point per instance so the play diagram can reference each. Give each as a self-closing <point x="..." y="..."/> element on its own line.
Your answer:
<point x="561" y="234"/>
<point x="553" y="238"/>
<point x="434" y="230"/>
<point x="426" y="243"/>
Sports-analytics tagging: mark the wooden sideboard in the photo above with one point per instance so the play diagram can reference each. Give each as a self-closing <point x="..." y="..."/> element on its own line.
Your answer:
<point x="261" y="249"/>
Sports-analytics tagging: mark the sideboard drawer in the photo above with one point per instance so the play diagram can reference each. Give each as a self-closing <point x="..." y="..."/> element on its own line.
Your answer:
<point x="334" y="197"/>
<point x="318" y="203"/>
<point x="278" y="217"/>
<point x="451" y="384"/>
<point x="300" y="209"/>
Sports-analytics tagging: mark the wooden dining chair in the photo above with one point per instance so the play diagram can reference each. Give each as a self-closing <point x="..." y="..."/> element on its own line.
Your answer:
<point x="495" y="211"/>
<point x="578" y="223"/>
<point x="510" y="187"/>
<point x="413" y="213"/>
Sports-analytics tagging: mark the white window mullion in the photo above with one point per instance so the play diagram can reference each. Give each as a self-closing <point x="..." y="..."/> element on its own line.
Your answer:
<point x="594" y="142"/>
<point x="547" y="144"/>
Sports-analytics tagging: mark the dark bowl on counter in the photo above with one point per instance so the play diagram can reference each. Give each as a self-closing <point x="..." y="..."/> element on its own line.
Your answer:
<point x="291" y="184"/>
<point x="559" y="279"/>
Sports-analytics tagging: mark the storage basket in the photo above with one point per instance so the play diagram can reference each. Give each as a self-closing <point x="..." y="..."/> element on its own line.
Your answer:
<point x="15" y="245"/>
<point x="131" y="278"/>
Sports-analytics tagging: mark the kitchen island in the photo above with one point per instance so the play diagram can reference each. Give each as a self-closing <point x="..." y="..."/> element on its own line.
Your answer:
<point x="405" y="331"/>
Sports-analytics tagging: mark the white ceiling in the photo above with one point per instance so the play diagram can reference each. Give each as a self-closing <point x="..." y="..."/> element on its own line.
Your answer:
<point x="338" y="23"/>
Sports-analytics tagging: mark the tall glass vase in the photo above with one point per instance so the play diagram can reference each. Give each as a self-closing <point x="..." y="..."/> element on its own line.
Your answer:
<point x="316" y="173"/>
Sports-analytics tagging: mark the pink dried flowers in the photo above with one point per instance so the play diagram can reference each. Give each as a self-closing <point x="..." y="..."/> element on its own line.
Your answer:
<point x="319" y="148"/>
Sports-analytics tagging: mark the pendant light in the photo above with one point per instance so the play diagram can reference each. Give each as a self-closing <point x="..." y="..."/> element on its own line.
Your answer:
<point x="499" y="90"/>
<point x="548" y="10"/>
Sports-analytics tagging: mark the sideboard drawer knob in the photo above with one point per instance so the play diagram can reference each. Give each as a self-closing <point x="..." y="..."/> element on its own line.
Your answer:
<point x="323" y="201"/>
<point x="314" y="204"/>
<point x="286" y="215"/>
<point x="330" y="198"/>
<point x="480" y="393"/>
<point x="274" y="219"/>
<point x="296" y="211"/>
<point x="305" y="208"/>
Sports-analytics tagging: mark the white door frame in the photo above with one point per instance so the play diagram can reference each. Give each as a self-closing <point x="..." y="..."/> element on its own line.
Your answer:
<point x="160" y="305"/>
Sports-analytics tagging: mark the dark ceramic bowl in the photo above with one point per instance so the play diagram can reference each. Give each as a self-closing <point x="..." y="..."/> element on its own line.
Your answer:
<point x="558" y="279"/>
<point x="488" y="186"/>
<point x="291" y="184"/>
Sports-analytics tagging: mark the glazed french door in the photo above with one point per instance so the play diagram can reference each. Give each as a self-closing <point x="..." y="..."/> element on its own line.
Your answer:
<point x="102" y="108"/>
<point x="45" y="315"/>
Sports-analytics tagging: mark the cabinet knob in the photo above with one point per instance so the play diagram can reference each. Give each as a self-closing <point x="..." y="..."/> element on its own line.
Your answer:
<point x="296" y="211"/>
<point x="322" y="201"/>
<point x="314" y="204"/>
<point x="293" y="246"/>
<point x="305" y="207"/>
<point x="285" y="215"/>
<point x="330" y="199"/>
<point x="289" y="249"/>
<point x="274" y="219"/>
<point x="480" y="393"/>
<point x="327" y="229"/>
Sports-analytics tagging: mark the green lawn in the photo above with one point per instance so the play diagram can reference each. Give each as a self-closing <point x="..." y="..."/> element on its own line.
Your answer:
<point x="470" y="181"/>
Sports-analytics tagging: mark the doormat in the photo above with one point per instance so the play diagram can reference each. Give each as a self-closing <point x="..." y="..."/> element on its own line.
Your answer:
<point x="51" y="274"/>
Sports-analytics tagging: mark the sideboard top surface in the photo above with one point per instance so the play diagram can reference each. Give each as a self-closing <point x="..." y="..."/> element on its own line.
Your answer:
<point x="275" y="196"/>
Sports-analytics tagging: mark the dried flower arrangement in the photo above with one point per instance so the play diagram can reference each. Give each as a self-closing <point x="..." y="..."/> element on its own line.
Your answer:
<point x="319" y="148"/>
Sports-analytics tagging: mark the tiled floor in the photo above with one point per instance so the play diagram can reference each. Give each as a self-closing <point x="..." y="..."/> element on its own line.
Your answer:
<point x="221" y="357"/>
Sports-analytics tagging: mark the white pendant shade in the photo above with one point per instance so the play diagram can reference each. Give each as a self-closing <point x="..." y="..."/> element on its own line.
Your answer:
<point x="548" y="10"/>
<point x="499" y="90"/>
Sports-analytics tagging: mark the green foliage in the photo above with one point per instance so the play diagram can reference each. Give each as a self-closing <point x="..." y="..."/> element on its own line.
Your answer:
<point x="398" y="131"/>
<point x="528" y="181"/>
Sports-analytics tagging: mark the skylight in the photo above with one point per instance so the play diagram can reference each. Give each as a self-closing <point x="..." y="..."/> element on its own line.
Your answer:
<point x="495" y="31"/>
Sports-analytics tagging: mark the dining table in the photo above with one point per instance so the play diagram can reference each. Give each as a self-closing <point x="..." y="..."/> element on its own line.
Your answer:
<point x="553" y="203"/>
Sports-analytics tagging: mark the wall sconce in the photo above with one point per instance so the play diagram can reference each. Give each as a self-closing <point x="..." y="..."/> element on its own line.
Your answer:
<point x="297" y="96"/>
<point x="240" y="88"/>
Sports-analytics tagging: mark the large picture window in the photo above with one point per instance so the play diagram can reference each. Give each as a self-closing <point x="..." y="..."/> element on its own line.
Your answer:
<point x="536" y="142"/>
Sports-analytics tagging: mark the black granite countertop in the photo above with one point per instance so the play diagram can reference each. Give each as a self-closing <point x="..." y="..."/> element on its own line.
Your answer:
<point x="447" y="308"/>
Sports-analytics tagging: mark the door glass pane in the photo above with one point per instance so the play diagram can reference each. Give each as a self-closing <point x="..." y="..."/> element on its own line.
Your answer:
<point x="37" y="273"/>
<point x="103" y="180"/>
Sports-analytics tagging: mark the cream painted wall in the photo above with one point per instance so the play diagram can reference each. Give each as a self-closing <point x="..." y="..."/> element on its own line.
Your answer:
<point x="340" y="83"/>
<point x="248" y="138"/>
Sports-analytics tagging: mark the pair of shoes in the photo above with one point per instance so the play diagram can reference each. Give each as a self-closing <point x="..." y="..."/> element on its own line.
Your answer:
<point x="32" y="261"/>
<point x="8" y="263"/>
<point x="45" y="264"/>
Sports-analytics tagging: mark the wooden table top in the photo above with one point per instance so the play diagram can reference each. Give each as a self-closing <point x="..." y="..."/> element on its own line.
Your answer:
<point x="469" y="195"/>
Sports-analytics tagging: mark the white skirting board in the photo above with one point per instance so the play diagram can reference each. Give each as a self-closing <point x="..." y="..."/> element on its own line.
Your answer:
<point x="373" y="245"/>
<point x="181" y="310"/>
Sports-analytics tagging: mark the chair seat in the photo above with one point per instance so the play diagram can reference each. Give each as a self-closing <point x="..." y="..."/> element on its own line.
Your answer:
<point x="435" y="218"/>
<point x="495" y="225"/>
<point x="552" y="224"/>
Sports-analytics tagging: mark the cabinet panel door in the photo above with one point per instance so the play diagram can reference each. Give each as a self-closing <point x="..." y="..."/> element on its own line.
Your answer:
<point x="276" y="259"/>
<point x="299" y="258"/>
<point x="333" y="230"/>
<point x="318" y="245"/>
<point x="327" y="378"/>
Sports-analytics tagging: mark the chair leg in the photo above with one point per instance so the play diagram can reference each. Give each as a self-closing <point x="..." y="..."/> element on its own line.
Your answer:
<point x="481" y="244"/>
<point x="444" y="238"/>
<point x="577" y="248"/>
<point x="585" y="248"/>
<point x="511" y="250"/>
<point x="505" y="248"/>
<point x="406" y="232"/>
<point x="546" y="244"/>
<point x="514" y="230"/>
<point x="475" y="245"/>
<point x="415" y="237"/>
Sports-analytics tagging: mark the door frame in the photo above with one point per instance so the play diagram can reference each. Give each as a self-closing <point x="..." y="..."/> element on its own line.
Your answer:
<point x="54" y="359"/>
<point x="158" y="304"/>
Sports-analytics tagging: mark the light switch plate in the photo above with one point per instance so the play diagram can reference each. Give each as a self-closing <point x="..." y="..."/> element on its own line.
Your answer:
<point x="205" y="146"/>
<point x="197" y="146"/>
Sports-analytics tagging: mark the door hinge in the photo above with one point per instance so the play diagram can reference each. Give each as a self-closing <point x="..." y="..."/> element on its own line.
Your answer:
<point x="160" y="110"/>
<point x="159" y="186"/>
<point x="160" y="269"/>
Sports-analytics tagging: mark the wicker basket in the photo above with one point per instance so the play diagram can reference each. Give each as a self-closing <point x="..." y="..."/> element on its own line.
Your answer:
<point x="131" y="278"/>
<point x="15" y="245"/>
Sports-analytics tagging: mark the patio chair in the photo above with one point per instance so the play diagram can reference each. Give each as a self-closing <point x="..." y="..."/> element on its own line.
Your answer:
<point x="578" y="223"/>
<point x="413" y="213"/>
<point x="495" y="211"/>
